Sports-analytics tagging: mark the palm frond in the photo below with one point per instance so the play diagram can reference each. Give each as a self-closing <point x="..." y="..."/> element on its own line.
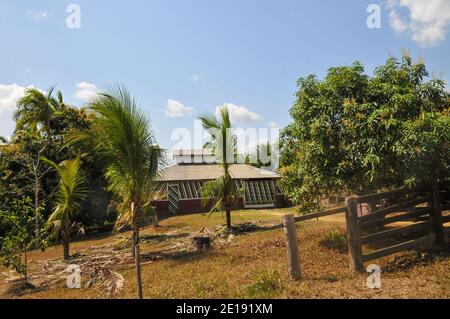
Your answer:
<point x="71" y="193"/>
<point x="124" y="138"/>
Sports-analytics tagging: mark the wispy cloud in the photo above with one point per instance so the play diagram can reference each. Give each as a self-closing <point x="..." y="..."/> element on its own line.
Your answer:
<point x="175" y="108"/>
<point x="196" y="78"/>
<point x="86" y="91"/>
<point x="38" y="15"/>
<point x="425" y="21"/>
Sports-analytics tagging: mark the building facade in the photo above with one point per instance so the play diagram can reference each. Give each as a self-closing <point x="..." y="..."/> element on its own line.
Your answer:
<point x="179" y="185"/>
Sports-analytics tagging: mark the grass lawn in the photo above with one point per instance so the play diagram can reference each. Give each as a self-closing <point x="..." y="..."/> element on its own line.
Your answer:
<point x="254" y="265"/>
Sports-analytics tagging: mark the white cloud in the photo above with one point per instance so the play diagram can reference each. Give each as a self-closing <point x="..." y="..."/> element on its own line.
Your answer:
<point x="240" y="114"/>
<point x="273" y="125"/>
<point x="9" y="95"/>
<point x="38" y="15"/>
<point x="177" y="109"/>
<point x="427" y="21"/>
<point x="86" y="91"/>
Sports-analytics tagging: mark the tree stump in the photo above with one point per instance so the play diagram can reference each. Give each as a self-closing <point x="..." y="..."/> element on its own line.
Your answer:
<point x="202" y="242"/>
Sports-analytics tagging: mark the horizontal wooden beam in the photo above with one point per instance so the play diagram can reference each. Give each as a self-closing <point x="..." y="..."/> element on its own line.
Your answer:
<point x="327" y="212"/>
<point x="394" y="208"/>
<point x="390" y="194"/>
<point x="419" y="212"/>
<point x="395" y="231"/>
<point x="400" y="247"/>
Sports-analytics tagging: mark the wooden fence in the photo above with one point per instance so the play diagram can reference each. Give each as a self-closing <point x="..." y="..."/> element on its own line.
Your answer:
<point x="422" y="208"/>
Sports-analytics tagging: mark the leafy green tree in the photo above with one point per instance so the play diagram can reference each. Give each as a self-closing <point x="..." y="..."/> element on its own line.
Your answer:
<point x="23" y="171"/>
<point x="18" y="221"/>
<point x="357" y="134"/>
<point x="71" y="193"/>
<point x="222" y="140"/>
<point x="124" y="139"/>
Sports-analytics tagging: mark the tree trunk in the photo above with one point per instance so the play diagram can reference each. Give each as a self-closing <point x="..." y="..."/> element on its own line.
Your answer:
<point x="138" y="265"/>
<point x="228" y="216"/>
<point x="36" y="206"/>
<point x="66" y="249"/>
<point x="137" y="252"/>
<point x="133" y="243"/>
<point x="155" y="220"/>
<point x="25" y="263"/>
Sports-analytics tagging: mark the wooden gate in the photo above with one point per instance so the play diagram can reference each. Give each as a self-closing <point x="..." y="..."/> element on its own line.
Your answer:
<point x="422" y="207"/>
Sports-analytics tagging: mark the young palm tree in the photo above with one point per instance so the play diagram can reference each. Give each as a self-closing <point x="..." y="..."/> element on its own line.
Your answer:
<point x="123" y="137"/>
<point x="71" y="193"/>
<point x="223" y="142"/>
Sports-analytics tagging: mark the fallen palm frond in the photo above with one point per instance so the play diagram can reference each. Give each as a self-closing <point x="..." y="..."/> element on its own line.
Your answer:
<point x="110" y="281"/>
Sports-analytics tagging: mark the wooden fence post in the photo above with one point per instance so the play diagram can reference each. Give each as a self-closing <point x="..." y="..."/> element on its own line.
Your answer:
<point x="353" y="235"/>
<point x="292" y="248"/>
<point x="436" y="213"/>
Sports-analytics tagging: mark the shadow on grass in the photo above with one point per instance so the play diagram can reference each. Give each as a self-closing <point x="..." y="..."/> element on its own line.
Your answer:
<point x="414" y="258"/>
<point x="179" y="256"/>
<point x="21" y="287"/>
<point x="335" y="239"/>
<point x="162" y="237"/>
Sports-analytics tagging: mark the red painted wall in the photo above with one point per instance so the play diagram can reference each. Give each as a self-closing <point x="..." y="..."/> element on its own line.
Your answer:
<point x="193" y="206"/>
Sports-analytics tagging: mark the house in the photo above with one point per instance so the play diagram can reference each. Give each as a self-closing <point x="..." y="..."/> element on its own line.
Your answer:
<point x="179" y="185"/>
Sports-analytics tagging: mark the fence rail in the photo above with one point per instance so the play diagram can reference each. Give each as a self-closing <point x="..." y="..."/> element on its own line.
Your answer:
<point x="328" y="212"/>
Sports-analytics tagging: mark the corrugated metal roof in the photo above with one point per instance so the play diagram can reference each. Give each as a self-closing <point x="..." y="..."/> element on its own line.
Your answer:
<point x="212" y="171"/>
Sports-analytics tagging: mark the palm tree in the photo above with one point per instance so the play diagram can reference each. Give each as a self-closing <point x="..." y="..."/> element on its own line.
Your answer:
<point x="123" y="137"/>
<point x="36" y="109"/>
<point x="223" y="142"/>
<point x="71" y="193"/>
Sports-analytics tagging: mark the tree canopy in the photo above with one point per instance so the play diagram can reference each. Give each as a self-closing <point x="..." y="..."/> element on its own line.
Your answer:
<point x="356" y="133"/>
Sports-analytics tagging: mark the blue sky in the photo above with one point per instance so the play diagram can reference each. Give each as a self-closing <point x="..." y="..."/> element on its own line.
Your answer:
<point x="195" y="55"/>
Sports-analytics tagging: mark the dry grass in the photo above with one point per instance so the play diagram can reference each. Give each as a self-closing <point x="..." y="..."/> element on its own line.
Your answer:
<point x="254" y="265"/>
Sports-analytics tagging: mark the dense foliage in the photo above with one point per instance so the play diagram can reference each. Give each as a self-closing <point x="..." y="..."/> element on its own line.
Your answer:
<point x="18" y="222"/>
<point x="356" y="133"/>
<point x="42" y="126"/>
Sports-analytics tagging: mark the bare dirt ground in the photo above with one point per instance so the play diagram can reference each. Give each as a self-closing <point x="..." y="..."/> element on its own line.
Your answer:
<point x="249" y="263"/>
